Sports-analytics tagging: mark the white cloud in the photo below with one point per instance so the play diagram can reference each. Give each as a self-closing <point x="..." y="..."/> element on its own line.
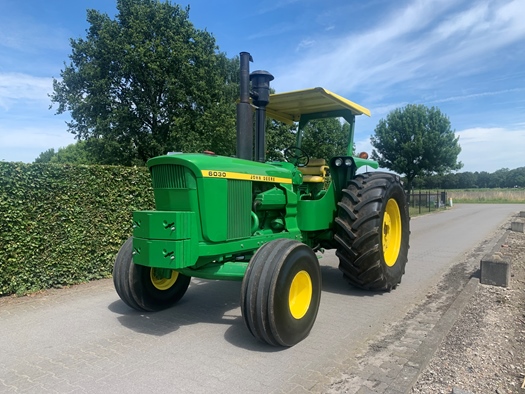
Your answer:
<point x="477" y="95"/>
<point x="26" y="34"/>
<point x="306" y="43"/>
<point x="26" y="142"/>
<point x="266" y="7"/>
<point x="424" y="43"/>
<point x="489" y="149"/>
<point x="46" y="136"/>
<point x="15" y="87"/>
<point x="442" y="50"/>
<point x="379" y="111"/>
<point x="483" y="149"/>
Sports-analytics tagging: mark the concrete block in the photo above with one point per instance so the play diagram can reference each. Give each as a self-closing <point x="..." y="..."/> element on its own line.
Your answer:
<point x="495" y="271"/>
<point x="456" y="390"/>
<point x="517" y="226"/>
<point x="522" y="214"/>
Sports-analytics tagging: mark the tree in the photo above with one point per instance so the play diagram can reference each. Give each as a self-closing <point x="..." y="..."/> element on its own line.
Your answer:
<point x="279" y="136"/>
<point x="499" y="178"/>
<point x="46" y="156"/>
<point x="483" y="179"/>
<point x="322" y="138"/>
<point x="71" y="154"/>
<point x="516" y="177"/>
<point x="467" y="180"/>
<point x="146" y="83"/>
<point x="416" y="140"/>
<point x="325" y="138"/>
<point x="450" y="181"/>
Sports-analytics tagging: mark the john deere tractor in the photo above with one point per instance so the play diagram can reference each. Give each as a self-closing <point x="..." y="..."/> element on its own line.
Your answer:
<point x="246" y="219"/>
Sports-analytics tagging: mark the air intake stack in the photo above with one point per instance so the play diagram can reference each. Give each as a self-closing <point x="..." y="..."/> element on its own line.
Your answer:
<point x="261" y="98"/>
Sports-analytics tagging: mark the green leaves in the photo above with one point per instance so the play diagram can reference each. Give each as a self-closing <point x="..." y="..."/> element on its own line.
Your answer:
<point x="416" y="140"/>
<point x="325" y="138"/>
<point x="141" y="85"/>
<point x="63" y="224"/>
<point x="72" y="154"/>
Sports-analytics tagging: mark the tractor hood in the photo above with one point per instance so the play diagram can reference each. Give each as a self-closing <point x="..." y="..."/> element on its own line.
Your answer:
<point x="206" y="165"/>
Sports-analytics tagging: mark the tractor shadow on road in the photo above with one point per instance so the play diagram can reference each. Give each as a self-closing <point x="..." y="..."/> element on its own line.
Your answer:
<point x="211" y="302"/>
<point x="205" y="304"/>
<point x="334" y="282"/>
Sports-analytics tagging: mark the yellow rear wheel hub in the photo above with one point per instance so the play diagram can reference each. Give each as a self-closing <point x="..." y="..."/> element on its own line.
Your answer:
<point x="392" y="230"/>
<point x="160" y="282"/>
<point x="300" y="294"/>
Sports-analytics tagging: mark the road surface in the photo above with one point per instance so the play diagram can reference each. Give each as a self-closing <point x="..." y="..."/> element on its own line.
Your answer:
<point x="85" y="339"/>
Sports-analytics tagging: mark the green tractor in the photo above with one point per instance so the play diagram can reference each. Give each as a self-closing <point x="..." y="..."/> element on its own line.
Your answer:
<point x="243" y="218"/>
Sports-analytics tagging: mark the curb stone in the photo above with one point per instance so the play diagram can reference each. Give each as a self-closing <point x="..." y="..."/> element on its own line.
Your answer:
<point x="455" y="390"/>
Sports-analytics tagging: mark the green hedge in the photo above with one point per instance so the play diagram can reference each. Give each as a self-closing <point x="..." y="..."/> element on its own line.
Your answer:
<point x="63" y="224"/>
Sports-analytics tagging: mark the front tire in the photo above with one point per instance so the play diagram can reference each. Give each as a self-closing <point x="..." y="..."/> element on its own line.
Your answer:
<point x="145" y="288"/>
<point x="373" y="231"/>
<point x="281" y="291"/>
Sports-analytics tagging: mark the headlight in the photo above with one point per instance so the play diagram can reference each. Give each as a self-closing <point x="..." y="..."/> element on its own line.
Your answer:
<point x="338" y="162"/>
<point x="348" y="162"/>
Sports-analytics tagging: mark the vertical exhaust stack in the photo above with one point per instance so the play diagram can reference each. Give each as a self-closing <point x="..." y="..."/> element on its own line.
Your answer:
<point x="244" y="111"/>
<point x="261" y="98"/>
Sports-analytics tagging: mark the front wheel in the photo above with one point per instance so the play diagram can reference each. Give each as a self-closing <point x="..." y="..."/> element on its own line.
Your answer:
<point x="281" y="291"/>
<point x="373" y="231"/>
<point x="144" y="288"/>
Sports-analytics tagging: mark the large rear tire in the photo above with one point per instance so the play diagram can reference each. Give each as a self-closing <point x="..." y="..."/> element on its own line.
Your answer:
<point x="373" y="231"/>
<point x="281" y="291"/>
<point x="144" y="288"/>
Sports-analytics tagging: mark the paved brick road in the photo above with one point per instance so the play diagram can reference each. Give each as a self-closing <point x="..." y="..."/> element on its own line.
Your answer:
<point x="85" y="340"/>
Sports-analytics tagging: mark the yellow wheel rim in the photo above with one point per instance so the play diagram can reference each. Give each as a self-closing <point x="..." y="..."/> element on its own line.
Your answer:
<point x="160" y="282"/>
<point x="300" y="294"/>
<point x="391" y="232"/>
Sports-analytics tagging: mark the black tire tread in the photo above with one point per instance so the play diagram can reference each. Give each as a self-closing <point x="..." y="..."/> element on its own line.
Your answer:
<point x="122" y="274"/>
<point x="259" y="287"/>
<point x="358" y="231"/>
<point x="134" y="287"/>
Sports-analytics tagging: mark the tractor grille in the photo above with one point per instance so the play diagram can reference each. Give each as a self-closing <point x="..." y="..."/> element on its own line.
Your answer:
<point x="168" y="176"/>
<point x="239" y="209"/>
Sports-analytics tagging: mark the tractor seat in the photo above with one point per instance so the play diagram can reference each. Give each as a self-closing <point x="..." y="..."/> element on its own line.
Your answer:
<point x="315" y="171"/>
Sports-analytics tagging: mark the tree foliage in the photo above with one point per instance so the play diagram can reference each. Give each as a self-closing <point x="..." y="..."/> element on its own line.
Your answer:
<point x="502" y="178"/>
<point x="146" y="83"/>
<point x="322" y="138"/>
<point x="72" y="154"/>
<point x="414" y="141"/>
<point x="279" y="136"/>
<point x="325" y="138"/>
<point x="46" y="156"/>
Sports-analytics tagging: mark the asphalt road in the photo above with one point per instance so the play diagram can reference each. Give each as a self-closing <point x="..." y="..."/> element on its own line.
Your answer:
<point x="84" y="339"/>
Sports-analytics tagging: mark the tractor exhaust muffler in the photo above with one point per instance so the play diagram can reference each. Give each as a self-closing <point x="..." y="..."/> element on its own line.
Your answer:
<point x="244" y="111"/>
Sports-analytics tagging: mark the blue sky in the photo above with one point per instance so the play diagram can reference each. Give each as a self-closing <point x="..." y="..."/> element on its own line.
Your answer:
<point x="466" y="57"/>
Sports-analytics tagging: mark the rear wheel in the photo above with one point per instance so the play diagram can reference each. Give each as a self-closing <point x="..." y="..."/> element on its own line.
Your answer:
<point x="144" y="288"/>
<point x="281" y="291"/>
<point x="373" y="231"/>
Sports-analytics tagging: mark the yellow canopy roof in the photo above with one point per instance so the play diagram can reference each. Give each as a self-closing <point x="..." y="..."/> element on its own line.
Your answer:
<point x="288" y="107"/>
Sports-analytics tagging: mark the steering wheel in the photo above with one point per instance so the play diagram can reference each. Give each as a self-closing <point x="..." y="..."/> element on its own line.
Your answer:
<point x="297" y="156"/>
